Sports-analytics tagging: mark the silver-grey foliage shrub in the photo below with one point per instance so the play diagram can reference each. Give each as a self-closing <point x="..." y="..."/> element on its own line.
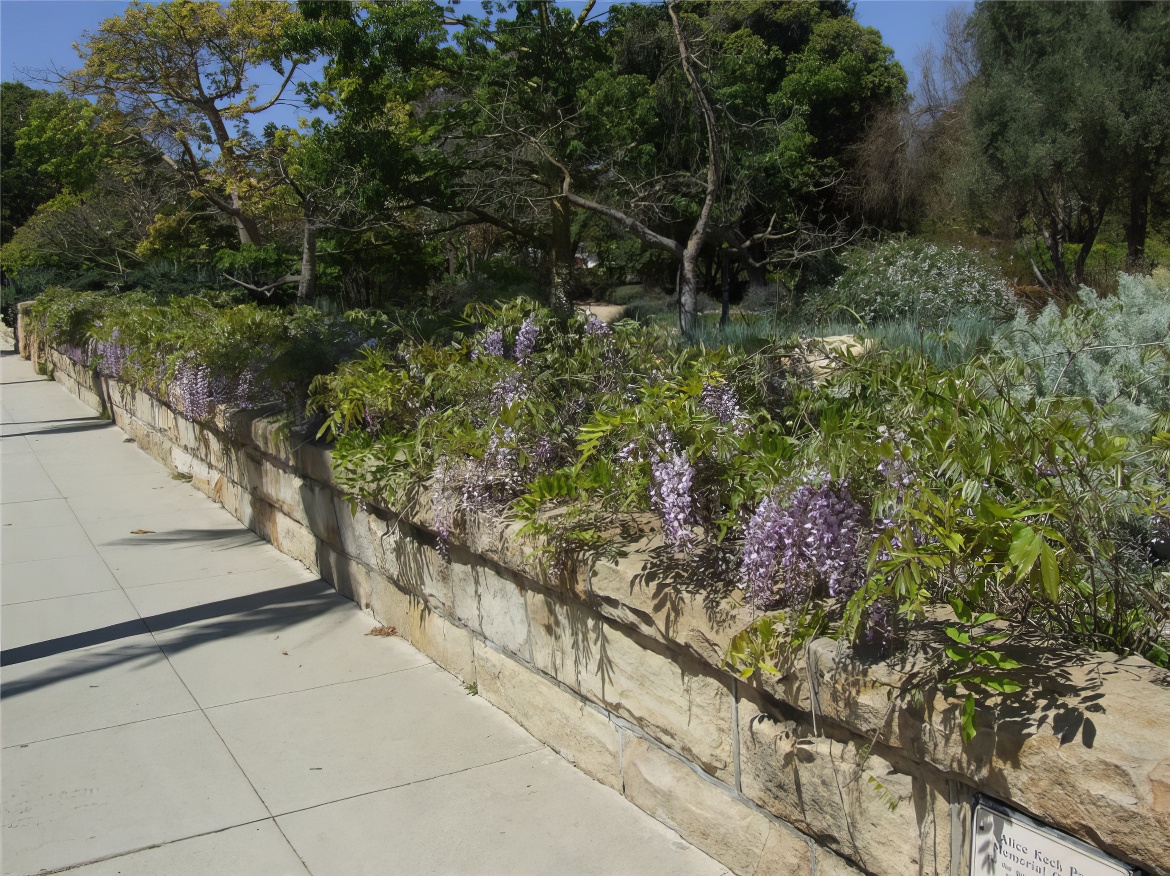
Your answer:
<point x="1114" y="350"/>
<point x="915" y="280"/>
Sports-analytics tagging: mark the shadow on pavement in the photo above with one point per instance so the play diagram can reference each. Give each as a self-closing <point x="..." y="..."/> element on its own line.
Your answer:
<point x="254" y="612"/>
<point x="199" y="538"/>
<point x="81" y="425"/>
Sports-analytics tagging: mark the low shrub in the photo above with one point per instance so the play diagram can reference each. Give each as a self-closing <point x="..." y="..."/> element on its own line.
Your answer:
<point x="201" y="352"/>
<point x="1115" y="351"/>
<point x="850" y="505"/>
<point x="911" y="279"/>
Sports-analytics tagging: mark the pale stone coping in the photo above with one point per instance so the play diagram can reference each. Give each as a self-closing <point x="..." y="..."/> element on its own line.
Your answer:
<point x="1085" y="751"/>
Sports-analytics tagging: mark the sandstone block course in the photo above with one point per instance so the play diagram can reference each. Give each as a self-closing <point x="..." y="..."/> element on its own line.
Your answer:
<point x="709" y="816"/>
<point x="583" y="736"/>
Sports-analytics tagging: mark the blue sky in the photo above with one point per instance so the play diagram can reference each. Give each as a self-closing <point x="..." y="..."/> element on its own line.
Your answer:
<point x="35" y="34"/>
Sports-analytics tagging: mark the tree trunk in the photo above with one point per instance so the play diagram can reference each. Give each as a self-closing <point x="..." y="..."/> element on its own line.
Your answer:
<point x="1139" y="216"/>
<point x="688" y="291"/>
<point x="562" y="255"/>
<point x="1054" y="243"/>
<point x="247" y="227"/>
<point x="1086" y="248"/>
<point x="725" y="296"/>
<point x="758" y="284"/>
<point x="307" y="285"/>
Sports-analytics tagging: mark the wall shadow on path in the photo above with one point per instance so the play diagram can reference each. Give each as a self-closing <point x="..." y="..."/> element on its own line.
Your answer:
<point x="267" y="611"/>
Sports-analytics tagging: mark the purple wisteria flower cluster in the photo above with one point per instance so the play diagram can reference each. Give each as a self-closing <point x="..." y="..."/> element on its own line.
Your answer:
<point x="491" y="345"/>
<point x="197" y="392"/>
<point x="526" y="340"/>
<point x="508" y="390"/>
<point x="721" y="402"/>
<point x="112" y="355"/>
<point x="597" y="327"/>
<point x="470" y="485"/>
<point x="191" y="388"/>
<point x="672" y="479"/>
<point x="809" y="542"/>
<point x="74" y="353"/>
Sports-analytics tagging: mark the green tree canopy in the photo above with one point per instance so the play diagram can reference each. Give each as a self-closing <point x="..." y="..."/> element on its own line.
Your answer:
<point x="1069" y="113"/>
<point x="177" y="74"/>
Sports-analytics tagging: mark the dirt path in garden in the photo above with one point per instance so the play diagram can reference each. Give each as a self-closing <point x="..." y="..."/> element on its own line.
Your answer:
<point x="179" y="697"/>
<point x="605" y="312"/>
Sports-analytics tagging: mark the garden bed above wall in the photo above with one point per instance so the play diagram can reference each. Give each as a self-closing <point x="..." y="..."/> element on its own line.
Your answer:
<point x="827" y="768"/>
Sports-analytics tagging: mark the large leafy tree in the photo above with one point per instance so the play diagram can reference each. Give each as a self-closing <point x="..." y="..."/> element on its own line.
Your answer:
<point x="1069" y="114"/>
<point x="444" y="110"/>
<point x="791" y="85"/>
<point x="24" y="187"/>
<point x="1141" y="38"/>
<point x="179" y="75"/>
<point x="679" y="124"/>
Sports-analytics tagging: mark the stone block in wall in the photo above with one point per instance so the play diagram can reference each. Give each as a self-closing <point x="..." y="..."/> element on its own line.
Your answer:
<point x="856" y="803"/>
<point x="286" y="535"/>
<point x="708" y="815"/>
<point x="315" y="461"/>
<point x="562" y="636"/>
<point x="352" y="580"/>
<point x="351" y="527"/>
<point x="411" y="561"/>
<point x="501" y="609"/>
<point x="580" y="734"/>
<point x="270" y="435"/>
<point x="672" y="697"/>
<point x="449" y="645"/>
<point x="667" y="601"/>
<point x="235" y="499"/>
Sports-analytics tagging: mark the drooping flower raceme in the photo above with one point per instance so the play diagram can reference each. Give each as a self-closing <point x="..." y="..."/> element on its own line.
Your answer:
<point x="671" y="482"/>
<point x="491" y="345"/>
<point x="191" y="388"/>
<point x="720" y="401"/>
<point x="763" y="541"/>
<point x="526" y="340"/>
<point x="597" y="327"/>
<point x="112" y="355"/>
<point x="809" y="542"/>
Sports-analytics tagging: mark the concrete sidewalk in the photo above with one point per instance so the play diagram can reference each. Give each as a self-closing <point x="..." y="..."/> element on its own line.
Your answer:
<point x="180" y="698"/>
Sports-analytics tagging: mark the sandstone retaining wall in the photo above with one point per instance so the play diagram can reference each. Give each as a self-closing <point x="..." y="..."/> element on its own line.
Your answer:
<point x="820" y="770"/>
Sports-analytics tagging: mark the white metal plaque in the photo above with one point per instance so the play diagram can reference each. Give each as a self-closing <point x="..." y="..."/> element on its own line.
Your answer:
<point x="1008" y="843"/>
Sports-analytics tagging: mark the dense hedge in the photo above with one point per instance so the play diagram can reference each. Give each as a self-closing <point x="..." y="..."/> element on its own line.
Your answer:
<point x="849" y="499"/>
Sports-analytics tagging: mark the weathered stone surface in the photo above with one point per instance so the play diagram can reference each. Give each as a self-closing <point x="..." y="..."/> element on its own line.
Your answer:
<point x="562" y="636"/>
<point x="660" y="600"/>
<point x="671" y="697"/>
<point x="347" y="523"/>
<point x="858" y="805"/>
<point x="285" y="534"/>
<point x="828" y="864"/>
<point x="675" y="699"/>
<point x="502" y="611"/>
<point x="1082" y="748"/>
<point x="709" y="816"/>
<point x="582" y="735"/>
<point x="270" y="435"/>
<point x="349" y="578"/>
<point x="24" y="321"/>
<point x="411" y="561"/>
<point x="315" y="461"/>
<point x="449" y="645"/>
